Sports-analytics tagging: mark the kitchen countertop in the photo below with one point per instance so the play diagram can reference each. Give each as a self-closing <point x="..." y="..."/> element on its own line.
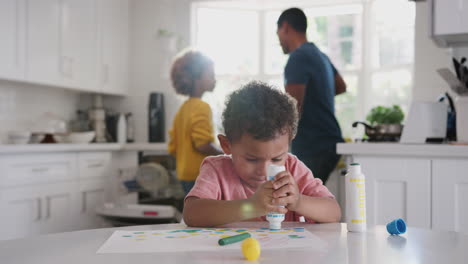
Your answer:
<point x="397" y="149"/>
<point x="340" y="246"/>
<point x="156" y="148"/>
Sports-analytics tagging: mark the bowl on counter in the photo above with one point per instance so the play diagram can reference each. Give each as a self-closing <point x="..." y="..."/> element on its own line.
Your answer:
<point x="75" y="137"/>
<point x="19" y="137"/>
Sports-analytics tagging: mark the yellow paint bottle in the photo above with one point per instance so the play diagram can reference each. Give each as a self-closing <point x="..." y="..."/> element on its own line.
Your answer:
<point x="355" y="199"/>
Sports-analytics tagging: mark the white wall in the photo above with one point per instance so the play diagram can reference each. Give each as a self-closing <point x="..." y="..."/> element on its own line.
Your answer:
<point x="24" y="106"/>
<point x="428" y="58"/>
<point x="151" y="55"/>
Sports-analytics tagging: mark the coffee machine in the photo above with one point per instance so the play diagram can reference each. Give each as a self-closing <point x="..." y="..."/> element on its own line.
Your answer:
<point x="97" y="119"/>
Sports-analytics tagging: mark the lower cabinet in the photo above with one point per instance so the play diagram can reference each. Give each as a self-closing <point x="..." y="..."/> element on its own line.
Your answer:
<point x="64" y="202"/>
<point x="91" y="194"/>
<point x="397" y="188"/>
<point x="36" y="210"/>
<point x="426" y="192"/>
<point x="450" y="194"/>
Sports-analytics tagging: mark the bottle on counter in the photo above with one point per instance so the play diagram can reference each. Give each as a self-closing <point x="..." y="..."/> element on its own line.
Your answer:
<point x="122" y="129"/>
<point x="130" y="128"/>
<point x="355" y="199"/>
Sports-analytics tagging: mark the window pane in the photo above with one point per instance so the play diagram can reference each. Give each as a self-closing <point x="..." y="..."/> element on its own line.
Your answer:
<point x="337" y="32"/>
<point x="230" y="37"/>
<point x="393" y="40"/>
<point x="346" y="105"/>
<point x="275" y="59"/>
<point x="391" y="87"/>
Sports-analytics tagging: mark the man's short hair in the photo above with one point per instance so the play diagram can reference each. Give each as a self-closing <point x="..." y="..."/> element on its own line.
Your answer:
<point x="295" y="17"/>
<point x="260" y="110"/>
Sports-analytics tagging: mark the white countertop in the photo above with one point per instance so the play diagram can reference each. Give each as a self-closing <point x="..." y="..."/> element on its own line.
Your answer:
<point x="397" y="149"/>
<point x="156" y="148"/>
<point x="374" y="246"/>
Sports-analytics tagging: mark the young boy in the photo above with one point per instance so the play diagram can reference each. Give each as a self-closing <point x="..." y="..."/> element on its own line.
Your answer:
<point x="259" y="123"/>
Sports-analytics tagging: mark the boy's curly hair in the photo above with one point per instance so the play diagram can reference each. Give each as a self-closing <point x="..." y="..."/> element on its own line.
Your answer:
<point x="260" y="110"/>
<point x="188" y="67"/>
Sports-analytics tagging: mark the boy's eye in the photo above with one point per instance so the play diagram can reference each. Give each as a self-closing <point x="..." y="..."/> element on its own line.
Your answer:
<point x="276" y="160"/>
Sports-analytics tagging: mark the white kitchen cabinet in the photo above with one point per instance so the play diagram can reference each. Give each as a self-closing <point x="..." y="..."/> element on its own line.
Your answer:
<point x="91" y="194"/>
<point x="397" y="188"/>
<point x="450" y="16"/>
<point x="450" y="194"/>
<point x="36" y="210"/>
<point x="12" y="44"/>
<point x="114" y="32"/>
<point x="44" y="62"/>
<point x="93" y="164"/>
<point x="44" y="193"/>
<point x="79" y="39"/>
<point x="78" y="44"/>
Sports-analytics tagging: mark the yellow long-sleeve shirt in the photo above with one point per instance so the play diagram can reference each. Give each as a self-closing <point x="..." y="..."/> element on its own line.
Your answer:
<point x="192" y="127"/>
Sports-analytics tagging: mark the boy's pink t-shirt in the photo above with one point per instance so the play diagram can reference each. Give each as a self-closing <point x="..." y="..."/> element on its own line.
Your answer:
<point x="219" y="181"/>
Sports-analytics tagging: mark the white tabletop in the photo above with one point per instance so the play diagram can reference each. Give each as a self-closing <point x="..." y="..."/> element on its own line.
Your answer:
<point x="375" y="246"/>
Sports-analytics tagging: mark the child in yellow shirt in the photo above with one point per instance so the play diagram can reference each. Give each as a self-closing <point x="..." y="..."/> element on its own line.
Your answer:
<point x="192" y="135"/>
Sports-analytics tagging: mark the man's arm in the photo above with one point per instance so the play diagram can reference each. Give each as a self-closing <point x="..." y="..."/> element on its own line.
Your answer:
<point x="209" y="149"/>
<point x="340" y="85"/>
<point x="298" y="92"/>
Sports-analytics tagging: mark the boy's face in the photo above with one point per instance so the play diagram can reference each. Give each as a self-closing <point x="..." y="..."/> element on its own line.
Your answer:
<point x="251" y="157"/>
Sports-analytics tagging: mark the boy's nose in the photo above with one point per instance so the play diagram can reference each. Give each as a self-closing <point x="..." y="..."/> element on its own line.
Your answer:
<point x="262" y="169"/>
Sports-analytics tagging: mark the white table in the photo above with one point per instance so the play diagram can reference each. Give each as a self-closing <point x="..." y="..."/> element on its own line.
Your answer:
<point x="375" y="246"/>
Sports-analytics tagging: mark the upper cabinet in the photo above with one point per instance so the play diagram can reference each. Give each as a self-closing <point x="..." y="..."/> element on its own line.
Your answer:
<point x="449" y="22"/>
<point x="79" y="41"/>
<point x="78" y="44"/>
<point x="114" y="24"/>
<point x="12" y="43"/>
<point x="44" y="63"/>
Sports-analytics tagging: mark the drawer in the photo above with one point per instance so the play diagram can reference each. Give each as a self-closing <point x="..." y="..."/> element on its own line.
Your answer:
<point x="37" y="168"/>
<point x="93" y="164"/>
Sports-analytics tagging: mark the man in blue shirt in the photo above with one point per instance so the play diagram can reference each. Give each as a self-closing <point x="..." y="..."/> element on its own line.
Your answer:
<point x="313" y="81"/>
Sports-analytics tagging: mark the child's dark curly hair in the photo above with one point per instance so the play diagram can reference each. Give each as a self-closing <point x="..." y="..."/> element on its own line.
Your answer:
<point x="188" y="67"/>
<point x="260" y="110"/>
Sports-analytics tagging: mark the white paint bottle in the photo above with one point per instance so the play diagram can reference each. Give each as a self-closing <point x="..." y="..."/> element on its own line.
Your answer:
<point x="355" y="199"/>
<point x="274" y="219"/>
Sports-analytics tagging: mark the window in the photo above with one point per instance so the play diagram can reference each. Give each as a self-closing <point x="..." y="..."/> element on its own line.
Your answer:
<point x="371" y="49"/>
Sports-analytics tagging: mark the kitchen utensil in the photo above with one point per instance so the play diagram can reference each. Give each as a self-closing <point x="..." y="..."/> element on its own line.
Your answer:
<point x="381" y="131"/>
<point x="456" y="66"/>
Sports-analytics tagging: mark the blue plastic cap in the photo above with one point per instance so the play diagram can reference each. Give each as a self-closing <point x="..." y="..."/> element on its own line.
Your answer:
<point x="396" y="227"/>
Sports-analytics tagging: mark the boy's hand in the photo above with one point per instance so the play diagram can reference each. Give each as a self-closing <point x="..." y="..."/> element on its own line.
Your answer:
<point x="263" y="198"/>
<point x="286" y="191"/>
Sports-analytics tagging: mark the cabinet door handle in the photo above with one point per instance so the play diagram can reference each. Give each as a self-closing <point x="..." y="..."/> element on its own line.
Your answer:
<point x="39" y="209"/>
<point x="95" y="165"/>
<point x="83" y="204"/>
<point x="47" y="214"/>
<point x="39" y="170"/>
<point x="105" y="73"/>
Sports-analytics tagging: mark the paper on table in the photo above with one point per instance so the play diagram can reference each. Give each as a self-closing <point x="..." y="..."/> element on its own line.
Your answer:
<point x="183" y="240"/>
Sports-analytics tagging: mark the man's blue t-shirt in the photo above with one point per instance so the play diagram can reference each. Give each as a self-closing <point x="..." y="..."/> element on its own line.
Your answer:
<point x="318" y="129"/>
